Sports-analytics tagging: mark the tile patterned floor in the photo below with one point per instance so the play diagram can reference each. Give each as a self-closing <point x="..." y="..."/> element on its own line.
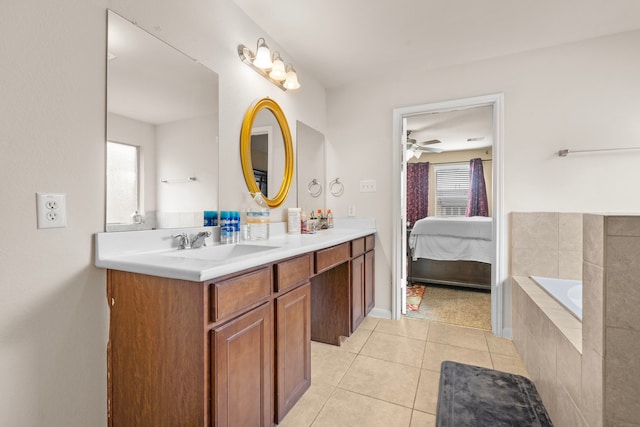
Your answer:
<point x="458" y="306"/>
<point x="387" y="373"/>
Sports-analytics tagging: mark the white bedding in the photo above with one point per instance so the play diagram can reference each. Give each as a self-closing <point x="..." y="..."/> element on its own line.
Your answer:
<point x="452" y="239"/>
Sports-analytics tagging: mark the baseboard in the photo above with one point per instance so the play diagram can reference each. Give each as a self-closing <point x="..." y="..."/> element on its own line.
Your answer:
<point x="379" y="312"/>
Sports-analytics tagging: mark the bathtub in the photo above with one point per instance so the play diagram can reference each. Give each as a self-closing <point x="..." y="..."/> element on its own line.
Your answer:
<point x="566" y="292"/>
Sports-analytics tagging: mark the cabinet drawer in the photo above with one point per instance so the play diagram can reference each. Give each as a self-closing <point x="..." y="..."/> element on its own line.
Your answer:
<point x="369" y="242"/>
<point x="292" y="272"/>
<point x="238" y="293"/>
<point x="357" y="247"/>
<point x="327" y="258"/>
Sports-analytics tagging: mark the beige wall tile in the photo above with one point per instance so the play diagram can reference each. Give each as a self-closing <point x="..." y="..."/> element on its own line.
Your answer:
<point x="623" y="226"/>
<point x="623" y="282"/>
<point x="569" y="365"/>
<point x="615" y="423"/>
<point x="593" y="239"/>
<point x="570" y="265"/>
<point x="567" y="413"/>
<point x="592" y="387"/>
<point x="534" y="230"/>
<point x="348" y="409"/>
<point x="593" y="307"/>
<point x="570" y="232"/>
<point x="622" y="374"/>
<point x="537" y="262"/>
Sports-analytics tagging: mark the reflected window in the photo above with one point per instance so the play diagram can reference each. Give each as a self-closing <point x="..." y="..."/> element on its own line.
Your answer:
<point x="123" y="182"/>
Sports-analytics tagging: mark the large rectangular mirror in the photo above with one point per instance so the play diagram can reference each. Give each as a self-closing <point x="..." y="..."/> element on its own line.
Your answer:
<point x="310" y="165"/>
<point x="162" y="133"/>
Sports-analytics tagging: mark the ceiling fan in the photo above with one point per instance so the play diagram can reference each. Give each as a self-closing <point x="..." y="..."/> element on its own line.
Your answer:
<point x="422" y="146"/>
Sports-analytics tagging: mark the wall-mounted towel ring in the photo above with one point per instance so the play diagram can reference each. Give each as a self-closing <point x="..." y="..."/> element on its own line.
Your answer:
<point x="315" y="189"/>
<point x="336" y="187"/>
<point x="178" y="180"/>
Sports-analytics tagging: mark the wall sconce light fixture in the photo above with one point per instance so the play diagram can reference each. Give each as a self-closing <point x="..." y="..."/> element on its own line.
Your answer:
<point x="269" y="66"/>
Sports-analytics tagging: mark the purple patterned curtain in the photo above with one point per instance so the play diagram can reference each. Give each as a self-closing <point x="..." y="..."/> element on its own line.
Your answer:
<point x="417" y="191"/>
<point x="477" y="204"/>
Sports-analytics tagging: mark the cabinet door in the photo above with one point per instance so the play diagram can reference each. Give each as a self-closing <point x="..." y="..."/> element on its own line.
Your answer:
<point x="357" y="291"/>
<point x="293" y="355"/>
<point x="242" y="370"/>
<point x="369" y="281"/>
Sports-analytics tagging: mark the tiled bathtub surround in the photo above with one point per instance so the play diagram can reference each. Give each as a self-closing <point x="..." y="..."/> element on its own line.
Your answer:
<point x="596" y="382"/>
<point x="547" y="244"/>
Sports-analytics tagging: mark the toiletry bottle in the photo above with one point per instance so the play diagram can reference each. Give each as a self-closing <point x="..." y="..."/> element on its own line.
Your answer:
<point x="258" y="219"/>
<point x="293" y="221"/>
<point x="329" y="218"/>
<point x="235" y="223"/>
<point x="226" y="229"/>
<point x="304" y="222"/>
<point x="312" y="222"/>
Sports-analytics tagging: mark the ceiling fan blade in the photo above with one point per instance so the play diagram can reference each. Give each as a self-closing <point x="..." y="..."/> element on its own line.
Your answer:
<point x="429" y="142"/>
<point x="429" y="149"/>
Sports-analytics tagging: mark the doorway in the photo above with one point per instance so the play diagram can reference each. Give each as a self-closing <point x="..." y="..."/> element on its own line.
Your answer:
<point x="402" y="116"/>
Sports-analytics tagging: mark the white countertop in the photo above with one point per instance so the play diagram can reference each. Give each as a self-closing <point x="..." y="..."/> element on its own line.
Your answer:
<point x="154" y="252"/>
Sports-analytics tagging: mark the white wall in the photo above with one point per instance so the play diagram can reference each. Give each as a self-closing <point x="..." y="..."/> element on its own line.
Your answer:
<point x="187" y="148"/>
<point x="53" y="309"/>
<point x="577" y="96"/>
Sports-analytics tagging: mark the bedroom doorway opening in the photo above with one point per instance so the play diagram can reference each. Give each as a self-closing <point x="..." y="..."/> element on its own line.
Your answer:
<point x="450" y="268"/>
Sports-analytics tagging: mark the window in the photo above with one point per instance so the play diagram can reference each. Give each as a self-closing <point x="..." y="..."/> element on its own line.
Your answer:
<point x="452" y="189"/>
<point x="123" y="182"/>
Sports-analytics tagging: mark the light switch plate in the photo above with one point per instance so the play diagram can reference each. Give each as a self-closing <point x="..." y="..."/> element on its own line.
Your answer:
<point x="51" y="210"/>
<point x="368" y="186"/>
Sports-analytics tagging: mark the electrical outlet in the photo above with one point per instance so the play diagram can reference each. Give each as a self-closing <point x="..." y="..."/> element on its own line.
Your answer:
<point x="51" y="210"/>
<point x="351" y="210"/>
<point x="368" y="186"/>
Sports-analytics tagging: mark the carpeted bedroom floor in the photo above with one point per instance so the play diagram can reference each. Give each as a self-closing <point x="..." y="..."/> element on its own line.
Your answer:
<point x="456" y="306"/>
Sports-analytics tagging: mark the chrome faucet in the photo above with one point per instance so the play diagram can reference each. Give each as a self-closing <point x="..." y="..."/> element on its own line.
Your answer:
<point x="184" y="242"/>
<point x="197" y="240"/>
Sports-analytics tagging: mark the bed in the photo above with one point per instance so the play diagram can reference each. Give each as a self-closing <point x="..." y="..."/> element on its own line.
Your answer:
<point x="454" y="251"/>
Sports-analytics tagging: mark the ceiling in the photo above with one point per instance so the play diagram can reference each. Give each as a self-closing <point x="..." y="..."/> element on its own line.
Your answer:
<point x="465" y="129"/>
<point x="339" y="41"/>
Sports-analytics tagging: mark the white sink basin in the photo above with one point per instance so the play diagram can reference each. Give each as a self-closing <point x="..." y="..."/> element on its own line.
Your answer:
<point x="220" y="252"/>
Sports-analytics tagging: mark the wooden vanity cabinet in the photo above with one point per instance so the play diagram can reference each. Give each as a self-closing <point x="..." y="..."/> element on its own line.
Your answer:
<point x="241" y="366"/>
<point x="158" y="351"/>
<point x="369" y="274"/>
<point x="292" y="332"/>
<point x="233" y="351"/>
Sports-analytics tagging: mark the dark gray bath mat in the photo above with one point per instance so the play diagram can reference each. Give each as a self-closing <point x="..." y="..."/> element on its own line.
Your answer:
<point x="471" y="396"/>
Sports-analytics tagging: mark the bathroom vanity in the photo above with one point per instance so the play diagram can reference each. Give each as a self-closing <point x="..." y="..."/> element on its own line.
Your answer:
<point x="227" y="342"/>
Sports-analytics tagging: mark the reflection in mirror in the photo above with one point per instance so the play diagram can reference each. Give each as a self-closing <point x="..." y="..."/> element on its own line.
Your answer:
<point x="162" y="133"/>
<point x="267" y="153"/>
<point x="278" y="165"/>
<point x="310" y="166"/>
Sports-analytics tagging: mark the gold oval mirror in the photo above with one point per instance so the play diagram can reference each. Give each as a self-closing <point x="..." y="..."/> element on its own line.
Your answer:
<point x="257" y="178"/>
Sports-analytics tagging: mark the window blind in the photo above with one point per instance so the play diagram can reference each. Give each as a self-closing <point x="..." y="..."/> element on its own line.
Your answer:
<point x="452" y="189"/>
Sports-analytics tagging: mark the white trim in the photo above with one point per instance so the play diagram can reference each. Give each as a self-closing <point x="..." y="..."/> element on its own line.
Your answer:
<point x="498" y="271"/>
